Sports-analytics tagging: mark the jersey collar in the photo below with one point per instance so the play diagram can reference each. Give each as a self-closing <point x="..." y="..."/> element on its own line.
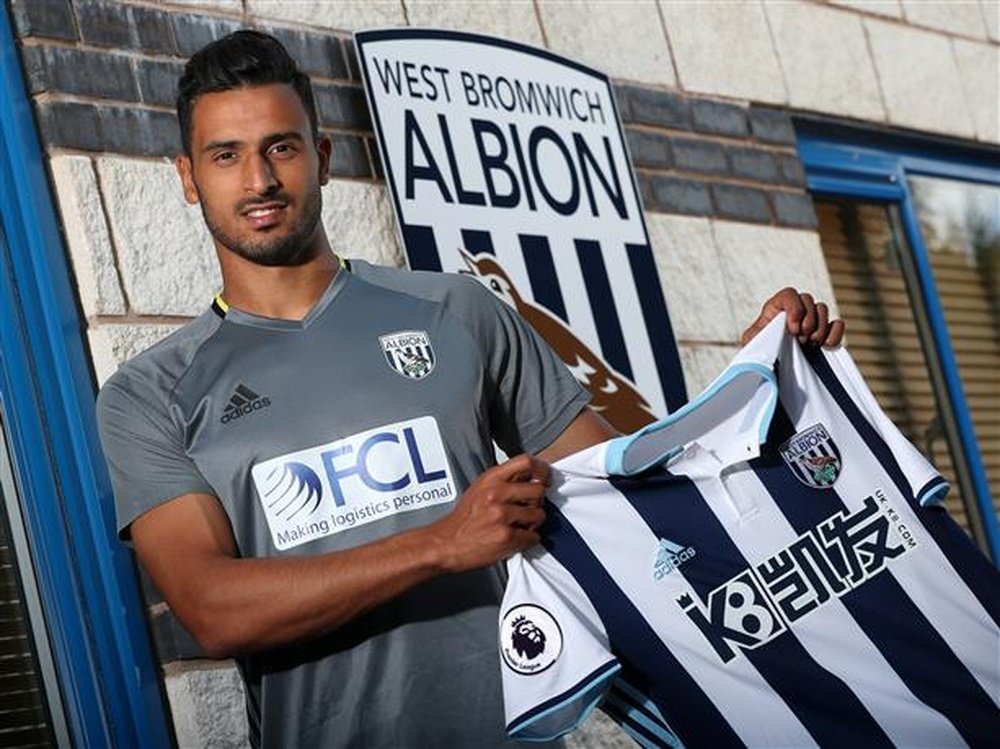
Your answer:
<point x="729" y="419"/>
<point x="231" y="314"/>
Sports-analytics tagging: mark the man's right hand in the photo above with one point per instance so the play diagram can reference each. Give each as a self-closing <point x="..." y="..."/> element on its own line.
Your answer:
<point x="497" y="516"/>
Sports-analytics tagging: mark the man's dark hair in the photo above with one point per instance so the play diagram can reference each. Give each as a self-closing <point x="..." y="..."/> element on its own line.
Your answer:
<point x="243" y="58"/>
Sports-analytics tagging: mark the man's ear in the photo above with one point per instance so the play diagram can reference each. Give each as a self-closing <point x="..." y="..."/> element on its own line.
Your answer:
<point x="184" y="170"/>
<point x="324" y="146"/>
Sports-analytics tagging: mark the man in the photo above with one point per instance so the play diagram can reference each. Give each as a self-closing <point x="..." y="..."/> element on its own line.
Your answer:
<point x="373" y="624"/>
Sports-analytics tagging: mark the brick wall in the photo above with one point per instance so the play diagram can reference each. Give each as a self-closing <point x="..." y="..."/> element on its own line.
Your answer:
<point x="705" y="91"/>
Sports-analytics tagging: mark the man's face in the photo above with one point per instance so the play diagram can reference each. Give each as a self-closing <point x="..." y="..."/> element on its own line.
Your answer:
<point x="256" y="172"/>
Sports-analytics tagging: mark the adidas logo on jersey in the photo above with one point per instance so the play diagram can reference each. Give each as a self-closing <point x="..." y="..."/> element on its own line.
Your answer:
<point x="243" y="401"/>
<point x="670" y="556"/>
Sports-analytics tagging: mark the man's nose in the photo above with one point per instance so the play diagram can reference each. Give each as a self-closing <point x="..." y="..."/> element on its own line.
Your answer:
<point x="258" y="175"/>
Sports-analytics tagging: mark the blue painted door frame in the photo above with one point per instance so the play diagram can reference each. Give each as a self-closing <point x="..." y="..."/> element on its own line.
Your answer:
<point x="843" y="161"/>
<point x="108" y="677"/>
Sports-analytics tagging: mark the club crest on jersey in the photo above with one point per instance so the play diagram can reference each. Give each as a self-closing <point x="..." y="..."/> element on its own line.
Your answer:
<point x="813" y="457"/>
<point x="530" y="639"/>
<point x="409" y="352"/>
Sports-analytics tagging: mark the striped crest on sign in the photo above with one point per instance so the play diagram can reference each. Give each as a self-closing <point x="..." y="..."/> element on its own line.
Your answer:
<point x="509" y="164"/>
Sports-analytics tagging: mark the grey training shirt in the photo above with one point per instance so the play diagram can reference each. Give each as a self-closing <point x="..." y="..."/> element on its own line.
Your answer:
<point x="368" y="417"/>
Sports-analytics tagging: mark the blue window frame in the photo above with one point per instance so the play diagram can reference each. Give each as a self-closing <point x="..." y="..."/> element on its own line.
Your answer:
<point x="842" y="161"/>
<point x="94" y="618"/>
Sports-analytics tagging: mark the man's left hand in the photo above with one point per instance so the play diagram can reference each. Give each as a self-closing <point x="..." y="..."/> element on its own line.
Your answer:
<point x="808" y="320"/>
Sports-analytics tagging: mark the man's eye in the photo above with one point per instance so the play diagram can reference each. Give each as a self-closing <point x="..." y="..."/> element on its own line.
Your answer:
<point x="282" y="149"/>
<point x="223" y="156"/>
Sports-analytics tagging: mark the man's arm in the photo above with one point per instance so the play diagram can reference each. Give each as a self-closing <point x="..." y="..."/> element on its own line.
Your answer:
<point x="233" y="605"/>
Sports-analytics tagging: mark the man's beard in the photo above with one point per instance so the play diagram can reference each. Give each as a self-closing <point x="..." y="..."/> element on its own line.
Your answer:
<point x="292" y="249"/>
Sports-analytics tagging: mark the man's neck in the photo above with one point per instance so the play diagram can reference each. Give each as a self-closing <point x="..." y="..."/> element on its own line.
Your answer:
<point x="284" y="293"/>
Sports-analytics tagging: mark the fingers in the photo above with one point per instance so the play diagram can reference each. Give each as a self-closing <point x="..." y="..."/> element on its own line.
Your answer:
<point x="836" y="335"/>
<point x="526" y="468"/>
<point x="806" y="319"/>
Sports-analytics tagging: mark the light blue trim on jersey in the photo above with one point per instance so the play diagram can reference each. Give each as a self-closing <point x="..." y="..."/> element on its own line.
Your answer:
<point x="632" y="714"/>
<point x="614" y="459"/>
<point x="661" y="729"/>
<point x="934" y="492"/>
<point x="596" y="684"/>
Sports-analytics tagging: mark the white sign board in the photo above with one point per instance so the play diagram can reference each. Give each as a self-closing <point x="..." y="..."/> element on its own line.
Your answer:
<point x="509" y="163"/>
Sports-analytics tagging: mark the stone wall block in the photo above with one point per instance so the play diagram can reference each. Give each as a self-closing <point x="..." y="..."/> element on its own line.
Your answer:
<point x="754" y="164"/>
<point x="741" y="203"/>
<point x="138" y="132"/>
<point x="651" y="107"/>
<point x="825" y="59"/>
<point x="979" y="65"/>
<point x="701" y="156"/>
<point x="991" y="16"/>
<point x="87" y="235"/>
<point x="70" y="124"/>
<point x="74" y="71"/>
<point x="649" y="149"/>
<point x="345" y="15"/>
<point x="158" y="81"/>
<point x="772" y="126"/>
<point x="507" y="20"/>
<point x="165" y="252"/>
<point x="353" y="63"/>
<point x="316" y="53"/>
<point x="104" y="23"/>
<point x="757" y="261"/>
<point x="48" y="18"/>
<point x="154" y="31"/>
<point x="342" y="106"/>
<point x="375" y="238"/>
<point x="719" y="118"/>
<point x="890" y="8"/>
<point x="963" y="17"/>
<point x="703" y="362"/>
<point x="675" y="195"/>
<point x="350" y="157"/>
<point x="230" y="6"/>
<point x="691" y="277"/>
<point x="112" y="345"/>
<point x="794" y="209"/>
<point x="792" y="172"/>
<point x="207" y="703"/>
<point x="193" y="32"/>
<point x="920" y="79"/>
<point x="591" y="33"/>
<point x="724" y="49"/>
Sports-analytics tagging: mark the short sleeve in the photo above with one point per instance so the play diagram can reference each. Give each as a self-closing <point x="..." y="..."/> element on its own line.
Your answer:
<point x="557" y="662"/>
<point x="144" y="453"/>
<point x="535" y="396"/>
<point x="928" y="486"/>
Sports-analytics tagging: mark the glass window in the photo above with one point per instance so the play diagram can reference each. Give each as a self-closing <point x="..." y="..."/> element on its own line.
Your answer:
<point x="960" y="226"/>
<point x="864" y="248"/>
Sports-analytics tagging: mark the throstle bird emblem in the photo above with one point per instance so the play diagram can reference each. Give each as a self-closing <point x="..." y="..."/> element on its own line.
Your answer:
<point x="613" y="396"/>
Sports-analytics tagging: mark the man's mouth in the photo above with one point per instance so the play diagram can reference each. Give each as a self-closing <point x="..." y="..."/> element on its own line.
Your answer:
<point x="265" y="215"/>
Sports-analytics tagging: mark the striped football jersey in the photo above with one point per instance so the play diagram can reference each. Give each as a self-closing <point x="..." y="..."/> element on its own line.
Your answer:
<point x="769" y="566"/>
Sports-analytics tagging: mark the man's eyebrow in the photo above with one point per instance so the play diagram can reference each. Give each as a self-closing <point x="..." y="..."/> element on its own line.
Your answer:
<point x="288" y="135"/>
<point x="267" y="141"/>
<point x="215" y="144"/>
